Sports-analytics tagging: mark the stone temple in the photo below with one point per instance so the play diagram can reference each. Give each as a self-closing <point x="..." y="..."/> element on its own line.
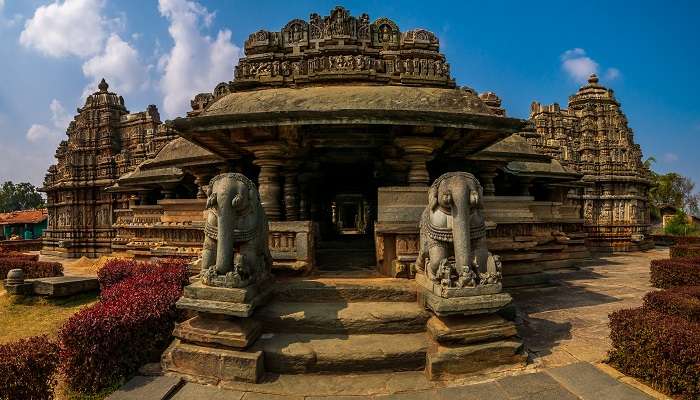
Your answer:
<point x="343" y="123"/>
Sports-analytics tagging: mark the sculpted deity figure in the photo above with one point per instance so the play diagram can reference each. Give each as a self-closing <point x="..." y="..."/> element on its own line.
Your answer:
<point x="235" y="252"/>
<point x="453" y="249"/>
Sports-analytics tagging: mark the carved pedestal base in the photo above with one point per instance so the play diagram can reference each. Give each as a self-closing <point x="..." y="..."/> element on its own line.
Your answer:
<point x="483" y="299"/>
<point x="212" y="365"/>
<point x="211" y="347"/>
<point x="237" y="302"/>
<point x="219" y="330"/>
<point x="465" y="345"/>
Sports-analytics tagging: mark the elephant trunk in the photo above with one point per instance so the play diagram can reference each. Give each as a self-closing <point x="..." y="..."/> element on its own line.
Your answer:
<point x="460" y="225"/>
<point x="225" y="237"/>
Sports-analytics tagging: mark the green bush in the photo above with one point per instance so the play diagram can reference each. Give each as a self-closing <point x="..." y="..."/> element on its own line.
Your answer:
<point x="679" y="225"/>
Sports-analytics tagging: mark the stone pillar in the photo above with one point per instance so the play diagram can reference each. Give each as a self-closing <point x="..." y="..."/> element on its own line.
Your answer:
<point x="524" y="184"/>
<point x="419" y="150"/>
<point x="486" y="176"/>
<point x="269" y="158"/>
<point x="201" y="180"/>
<point x="291" y="193"/>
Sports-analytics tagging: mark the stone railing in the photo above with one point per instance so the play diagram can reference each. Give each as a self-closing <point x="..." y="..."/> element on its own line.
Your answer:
<point x="292" y="245"/>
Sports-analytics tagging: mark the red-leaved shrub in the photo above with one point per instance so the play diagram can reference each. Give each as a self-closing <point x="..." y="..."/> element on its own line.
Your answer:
<point x="658" y="348"/>
<point x="32" y="269"/>
<point x="682" y="301"/>
<point x="677" y="272"/>
<point x="28" y="369"/>
<point x="131" y="324"/>
<point x="118" y="269"/>
<point x="18" y="255"/>
<point x="685" y="250"/>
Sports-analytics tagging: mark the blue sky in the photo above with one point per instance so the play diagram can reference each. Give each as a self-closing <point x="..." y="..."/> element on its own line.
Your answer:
<point x="163" y="52"/>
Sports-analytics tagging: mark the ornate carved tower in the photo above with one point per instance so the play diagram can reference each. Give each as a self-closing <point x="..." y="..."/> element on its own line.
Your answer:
<point x="104" y="141"/>
<point x="593" y="138"/>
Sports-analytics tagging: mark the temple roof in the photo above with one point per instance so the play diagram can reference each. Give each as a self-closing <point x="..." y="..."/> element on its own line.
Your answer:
<point x="355" y="97"/>
<point x="179" y="152"/>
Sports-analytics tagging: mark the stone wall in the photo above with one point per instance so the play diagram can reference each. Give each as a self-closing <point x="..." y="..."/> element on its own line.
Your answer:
<point x="530" y="236"/>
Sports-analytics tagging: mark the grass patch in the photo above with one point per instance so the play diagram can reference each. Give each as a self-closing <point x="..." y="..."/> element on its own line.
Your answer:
<point x="24" y="316"/>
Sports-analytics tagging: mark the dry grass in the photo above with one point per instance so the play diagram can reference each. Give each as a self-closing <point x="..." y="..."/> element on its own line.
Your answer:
<point x="22" y="317"/>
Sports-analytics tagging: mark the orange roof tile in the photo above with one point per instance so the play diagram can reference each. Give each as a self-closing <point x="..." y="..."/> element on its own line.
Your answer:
<point x="24" y="217"/>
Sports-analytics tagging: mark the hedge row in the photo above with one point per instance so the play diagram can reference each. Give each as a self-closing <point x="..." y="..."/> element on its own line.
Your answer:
<point x="16" y="255"/>
<point x="681" y="301"/>
<point x="28" y="369"/>
<point x="676" y="272"/>
<point x="658" y="348"/>
<point x="32" y="269"/>
<point x="131" y="324"/>
<point x="118" y="269"/>
<point x="685" y="250"/>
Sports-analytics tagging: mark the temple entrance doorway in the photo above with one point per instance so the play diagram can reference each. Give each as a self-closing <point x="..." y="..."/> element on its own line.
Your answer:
<point x="348" y="200"/>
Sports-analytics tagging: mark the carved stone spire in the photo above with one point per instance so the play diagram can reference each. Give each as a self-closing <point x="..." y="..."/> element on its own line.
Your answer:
<point x="103" y="86"/>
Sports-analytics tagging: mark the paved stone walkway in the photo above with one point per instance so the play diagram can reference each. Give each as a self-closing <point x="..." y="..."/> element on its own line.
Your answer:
<point x="568" y="322"/>
<point x="564" y="328"/>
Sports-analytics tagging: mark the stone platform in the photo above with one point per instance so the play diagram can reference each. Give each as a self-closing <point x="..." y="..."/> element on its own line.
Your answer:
<point x="59" y="286"/>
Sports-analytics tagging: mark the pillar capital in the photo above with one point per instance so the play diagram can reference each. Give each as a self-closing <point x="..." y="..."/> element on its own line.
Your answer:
<point x="419" y="150"/>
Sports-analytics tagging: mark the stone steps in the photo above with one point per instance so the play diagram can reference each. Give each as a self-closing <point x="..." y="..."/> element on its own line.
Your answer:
<point x="320" y="290"/>
<point x="338" y="353"/>
<point x="342" y="317"/>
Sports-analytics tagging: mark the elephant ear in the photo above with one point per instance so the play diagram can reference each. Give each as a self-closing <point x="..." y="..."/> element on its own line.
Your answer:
<point x="211" y="201"/>
<point x="433" y="197"/>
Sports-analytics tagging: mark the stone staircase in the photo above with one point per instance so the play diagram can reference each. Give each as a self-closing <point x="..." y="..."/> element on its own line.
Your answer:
<point x="341" y="325"/>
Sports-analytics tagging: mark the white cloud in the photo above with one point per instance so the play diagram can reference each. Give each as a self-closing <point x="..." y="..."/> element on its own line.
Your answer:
<point x="70" y="27"/>
<point x="670" y="157"/>
<point x="612" y="74"/>
<point x="120" y="65"/>
<point x="196" y="62"/>
<point x="59" y="123"/>
<point x="578" y="65"/>
<point x="2" y="5"/>
<point x="59" y="117"/>
<point x="38" y="132"/>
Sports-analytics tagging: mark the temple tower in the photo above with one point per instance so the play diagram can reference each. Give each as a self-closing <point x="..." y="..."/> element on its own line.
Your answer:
<point x="104" y="142"/>
<point x="593" y="138"/>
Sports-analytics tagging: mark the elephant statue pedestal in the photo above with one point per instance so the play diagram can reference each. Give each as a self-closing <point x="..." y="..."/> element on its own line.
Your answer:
<point x="459" y="280"/>
<point x="215" y="345"/>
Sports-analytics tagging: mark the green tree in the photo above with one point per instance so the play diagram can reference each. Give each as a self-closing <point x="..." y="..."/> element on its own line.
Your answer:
<point x="20" y="196"/>
<point x="673" y="189"/>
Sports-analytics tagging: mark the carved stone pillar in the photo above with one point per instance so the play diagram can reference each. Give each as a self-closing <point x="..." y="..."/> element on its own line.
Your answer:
<point x="419" y="150"/>
<point x="291" y="193"/>
<point x="269" y="158"/>
<point x="201" y="179"/>
<point x="486" y="176"/>
<point x="524" y="184"/>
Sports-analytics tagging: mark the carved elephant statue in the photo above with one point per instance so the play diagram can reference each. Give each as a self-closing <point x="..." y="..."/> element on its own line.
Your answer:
<point x="235" y="251"/>
<point x="453" y="234"/>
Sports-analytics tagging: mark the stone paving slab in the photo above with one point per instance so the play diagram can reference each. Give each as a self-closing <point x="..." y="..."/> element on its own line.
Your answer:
<point x="147" y="387"/>
<point x="193" y="391"/>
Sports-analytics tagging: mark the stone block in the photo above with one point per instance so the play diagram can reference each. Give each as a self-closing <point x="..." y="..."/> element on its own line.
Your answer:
<point x="213" y="364"/>
<point x="401" y="203"/>
<point x="61" y="286"/>
<point x="472" y="305"/>
<point x="444" y="362"/>
<point x="22" y="289"/>
<point x="470" y="329"/>
<point x="237" y="302"/>
<point x="148" y="387"/>
<point x="219" y="330"/>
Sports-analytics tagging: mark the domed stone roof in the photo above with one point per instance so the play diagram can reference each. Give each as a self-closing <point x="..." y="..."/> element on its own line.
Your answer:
<point x="104" y="98"/>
